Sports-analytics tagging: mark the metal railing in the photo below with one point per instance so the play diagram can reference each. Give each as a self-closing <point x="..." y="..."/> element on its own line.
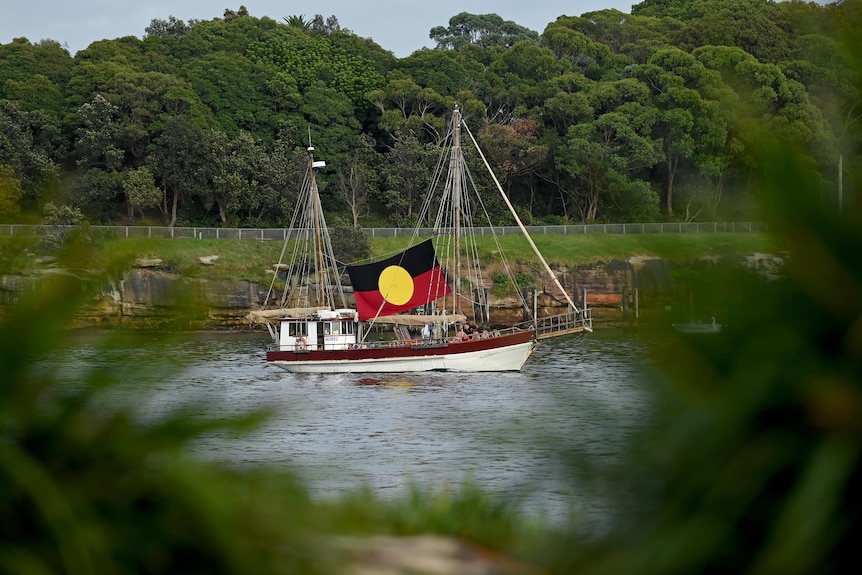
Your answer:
<point x="264" y="234"/>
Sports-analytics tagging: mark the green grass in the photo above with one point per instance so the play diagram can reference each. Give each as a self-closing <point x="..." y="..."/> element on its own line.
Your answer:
<point x="575" y="250"/>
<point x="251" y="259"/>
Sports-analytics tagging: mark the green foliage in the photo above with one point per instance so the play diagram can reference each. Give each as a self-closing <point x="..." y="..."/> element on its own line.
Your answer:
<point x="59" y="225"/>
<point x="703" y="73"/>
<point x="504" y="285"/>
<point x="141" y="190"/>
<point x="88" y="485"/>
<point x="26" y="159"/>
<point x="10" y="193"/>
<point x="349" y="244"/>
<point x="312" y="58"/>
<point x="524" y="280"/>
<point x="485" y="31"/>
<point x="91" y="481"/>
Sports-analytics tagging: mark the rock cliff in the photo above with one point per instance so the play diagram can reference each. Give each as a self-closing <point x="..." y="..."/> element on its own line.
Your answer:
<point x="148" y="296"/>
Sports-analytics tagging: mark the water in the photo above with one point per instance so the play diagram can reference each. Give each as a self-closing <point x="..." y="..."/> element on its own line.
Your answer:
<point x="513" y="434"/>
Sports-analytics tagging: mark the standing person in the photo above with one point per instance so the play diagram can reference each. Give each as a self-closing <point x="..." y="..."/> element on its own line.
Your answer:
<point x="426" y="333"/>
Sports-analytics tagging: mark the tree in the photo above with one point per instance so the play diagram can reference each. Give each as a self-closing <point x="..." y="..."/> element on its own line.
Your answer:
<point x="517" y="154"/>
<point x="406" y="172"/>
<point x="357" y="181"/>
<point x="690" y="125"/>
<point x="525" y="73"/>
<point x="763" y="92"/>
<point x="236" y="176"/>
<point x="26" y="161"/>
<point x="406" y="107"/>
<point x="181" y="163"/>
<point x="239" y="93"/>
<point x="485" y="31"/>
<point x="10" y="193"/>
<point x="310" y="58"/>
<point x="447" y="72"/>
<point x="170" y="28"/>
<point x="757" y="34"/>
<point x="100" y="157"/>
<point x="593" y="59"/>
<point x="22" y="60"/>
<point x="141" y="191"/>
<point x="604" y="154"/>
<point x="298" y="21"/>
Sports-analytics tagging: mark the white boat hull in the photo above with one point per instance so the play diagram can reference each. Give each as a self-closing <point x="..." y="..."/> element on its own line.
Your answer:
<point x="505" y="358"/>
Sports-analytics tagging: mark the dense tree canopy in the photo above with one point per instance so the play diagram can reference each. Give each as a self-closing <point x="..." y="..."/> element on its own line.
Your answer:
<point x="603" y="117"/>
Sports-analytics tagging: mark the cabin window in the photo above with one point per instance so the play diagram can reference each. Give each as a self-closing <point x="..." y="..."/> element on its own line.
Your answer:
<point x="297" y="329"/>
<point x="347" y="327"/>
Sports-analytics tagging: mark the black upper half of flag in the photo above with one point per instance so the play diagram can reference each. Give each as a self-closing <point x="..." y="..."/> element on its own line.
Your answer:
<point x="416" y="261"/>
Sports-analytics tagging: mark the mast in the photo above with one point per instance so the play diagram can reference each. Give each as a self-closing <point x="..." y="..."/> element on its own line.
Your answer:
<point x="456" y="205"/>
<point x="319" y="264"/>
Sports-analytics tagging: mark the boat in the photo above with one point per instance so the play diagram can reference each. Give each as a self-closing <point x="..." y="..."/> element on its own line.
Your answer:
<point x="698" y="327"/>
<point x="319" y="326"/>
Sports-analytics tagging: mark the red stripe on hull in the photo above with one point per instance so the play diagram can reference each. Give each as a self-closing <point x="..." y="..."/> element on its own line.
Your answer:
<point x="402" y="351"/>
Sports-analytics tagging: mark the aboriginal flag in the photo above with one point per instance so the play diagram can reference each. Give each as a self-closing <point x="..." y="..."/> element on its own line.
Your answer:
<point x="407" y="280"/>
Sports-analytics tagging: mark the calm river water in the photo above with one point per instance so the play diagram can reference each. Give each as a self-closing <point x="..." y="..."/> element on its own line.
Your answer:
<point x="513" y="434"/>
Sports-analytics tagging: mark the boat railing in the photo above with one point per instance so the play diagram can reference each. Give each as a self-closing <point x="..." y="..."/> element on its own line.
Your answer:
<point x="569" y="322"/>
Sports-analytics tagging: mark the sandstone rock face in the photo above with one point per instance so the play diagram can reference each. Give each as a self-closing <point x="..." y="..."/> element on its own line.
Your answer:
<point x="147" y="296"/>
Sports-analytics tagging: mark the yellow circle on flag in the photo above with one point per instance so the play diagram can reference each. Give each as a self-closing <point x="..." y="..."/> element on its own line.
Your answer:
<point x="396" y="285"/>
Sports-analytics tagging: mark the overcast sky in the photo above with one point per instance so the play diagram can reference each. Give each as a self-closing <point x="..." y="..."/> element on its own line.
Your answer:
<point x="400" y="26"/>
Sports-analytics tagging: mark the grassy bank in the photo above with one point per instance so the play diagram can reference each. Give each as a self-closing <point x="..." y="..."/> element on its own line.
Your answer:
<point x="249" y="259"/>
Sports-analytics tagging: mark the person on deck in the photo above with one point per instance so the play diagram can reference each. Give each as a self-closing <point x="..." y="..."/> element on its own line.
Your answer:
<point x="461" y="335"/>
<point x="426" y="333"/>
<point x="469" y="331"/>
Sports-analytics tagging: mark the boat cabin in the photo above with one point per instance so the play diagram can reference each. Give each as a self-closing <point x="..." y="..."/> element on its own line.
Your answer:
<point x="328" y="330"/>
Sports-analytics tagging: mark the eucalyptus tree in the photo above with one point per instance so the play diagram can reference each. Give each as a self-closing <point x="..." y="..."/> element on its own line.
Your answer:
<point x="763" y="98"/>
<point x="236" y="188"/>
<point x="101" y="158"/>
<point x="483" y="30"/>
<point x="447" y="72"/>
<point x="29" y="172"/>
<point x="525" y="72"/>
<point x="591" y="58"/>
<point x="406" y="107"/>
<point x="518" y="156"/>
<point x="607" y="154"/>
<point x="690" y="125"/>
<point x="180" y="159"/>
<point x="756" y="33"/>
<point x="141" y="191"/>
<point x="358" y="180"/>
<point x="171" y="28"/>
<point x="619" y="31"/>
<point x="406" y="173"/>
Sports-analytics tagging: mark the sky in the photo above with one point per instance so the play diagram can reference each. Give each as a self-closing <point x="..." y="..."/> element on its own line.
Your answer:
<point x="400" y="26"/>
